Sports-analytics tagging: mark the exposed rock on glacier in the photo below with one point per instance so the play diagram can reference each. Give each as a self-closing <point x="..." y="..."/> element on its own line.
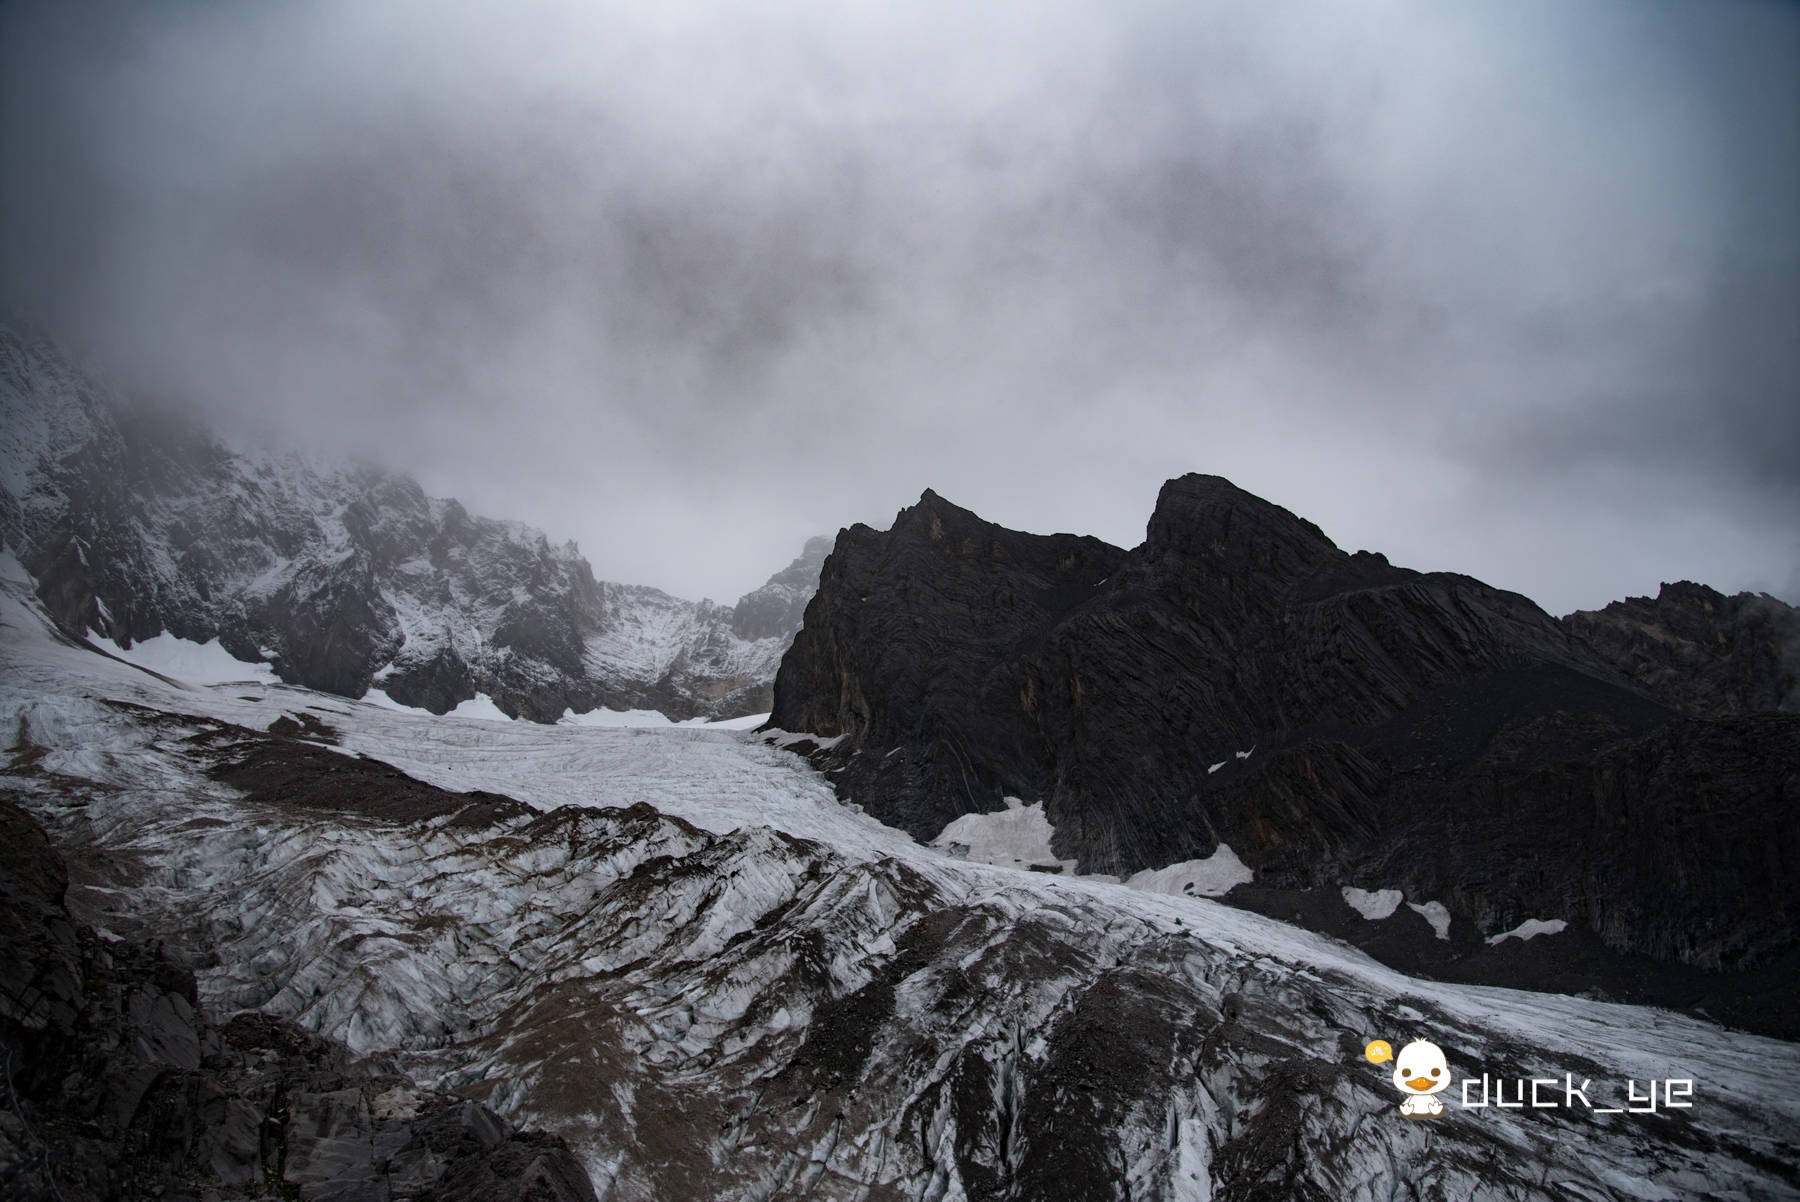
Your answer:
<point x="1414" y="731"/>
<point x="343" y="579"/>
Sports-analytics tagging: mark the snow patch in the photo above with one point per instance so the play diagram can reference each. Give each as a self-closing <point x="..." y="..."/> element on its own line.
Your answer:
<point x="1437" y="915"/>
<point x="13" y="572"/>
<point x="787" y="738"/>
<point x="480" y="707"/>
<point x="1214" y="876"/>
<point x="1018" y="836"/>
<point x="195" y="663"/>
<point x="747" y="722"/>
<point x="1376" y="905"/>
<point x="1531" y="928"/>
<point x="612" y="717"/>
<point x="641" y="719"/>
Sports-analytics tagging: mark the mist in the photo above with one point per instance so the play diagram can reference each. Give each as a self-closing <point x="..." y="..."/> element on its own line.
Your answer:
<point x="1505" y="288"/>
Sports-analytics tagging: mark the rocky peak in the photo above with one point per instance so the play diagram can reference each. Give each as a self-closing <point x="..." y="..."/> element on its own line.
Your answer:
<point x="947" y="528"/>
<point x="1237" y="679"/>
<point x="1216" y="530"/>
<point x="1702" y="651"/>
<point x="882" y="592"/>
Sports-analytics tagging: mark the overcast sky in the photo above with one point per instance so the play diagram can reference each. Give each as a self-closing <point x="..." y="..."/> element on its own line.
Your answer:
<point x="1508" y="288"/>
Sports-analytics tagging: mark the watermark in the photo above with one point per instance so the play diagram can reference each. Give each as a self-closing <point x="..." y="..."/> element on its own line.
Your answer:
<point x="1421" y="1073"/>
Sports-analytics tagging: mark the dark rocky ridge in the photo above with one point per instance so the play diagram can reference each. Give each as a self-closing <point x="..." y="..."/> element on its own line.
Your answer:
<point x="120" y="1086"/>
<point x="1701" y="651"/>
<point x="1421" y="731"/>
<point x="341" y="579"/>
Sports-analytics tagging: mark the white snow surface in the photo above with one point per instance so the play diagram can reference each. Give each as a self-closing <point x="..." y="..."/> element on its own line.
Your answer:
<point x="1375" y="905"/>
<point x="655" y="718"/>
<point x="649" y="634"/>
<point x="747" y="722"/>
<point x="594" y="965"/>
<point x="1530" y="929"/>
<point x="480" y="707"/>
<point x="1435" y="913"/>
<point x="13" y="573"/>
<point x="375" y="696"/>
<point x="1214" y="876"/>
<point x="196" y="663"/>
<point x="776" y="737"/>
<point x="1017" y="836"/>
<point x="483" y="707"/>
<point x="612" y="717"/>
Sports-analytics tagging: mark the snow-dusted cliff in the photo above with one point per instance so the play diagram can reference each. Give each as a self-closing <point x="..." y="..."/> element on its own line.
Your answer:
<point x="346" y="577"/>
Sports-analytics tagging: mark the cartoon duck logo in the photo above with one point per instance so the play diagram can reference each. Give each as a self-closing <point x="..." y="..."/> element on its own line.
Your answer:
<point x="1421" y="1073"/>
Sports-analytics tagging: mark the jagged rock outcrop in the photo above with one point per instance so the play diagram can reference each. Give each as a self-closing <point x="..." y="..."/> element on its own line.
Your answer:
<point x="775" y="610"/>
<point x="1700" y="651"/>
<point x="343" y="579"/>
<point x="1335" y="719"/>
<point x="119" y="1085"/>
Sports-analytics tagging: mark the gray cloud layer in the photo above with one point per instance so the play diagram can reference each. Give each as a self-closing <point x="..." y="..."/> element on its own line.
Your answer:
<point x="1511" y="288"/>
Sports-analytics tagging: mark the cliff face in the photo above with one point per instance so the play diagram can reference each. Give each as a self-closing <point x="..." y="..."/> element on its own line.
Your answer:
<point x="346" y="578"/>
<point x="1335" y="719"/>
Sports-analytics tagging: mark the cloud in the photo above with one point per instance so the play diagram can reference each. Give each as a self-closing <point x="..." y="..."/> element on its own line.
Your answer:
<point x="1506" y="288"/>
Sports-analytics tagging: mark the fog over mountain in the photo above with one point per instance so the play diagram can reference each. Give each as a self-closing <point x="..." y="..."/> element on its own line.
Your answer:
<point x="1508" y="288"/>
<point x="1286" y="509"/>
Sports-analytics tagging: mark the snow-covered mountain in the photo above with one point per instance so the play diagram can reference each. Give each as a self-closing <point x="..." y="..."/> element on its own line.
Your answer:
<point x="677" y="951"/>
<point x="342" y="578"/>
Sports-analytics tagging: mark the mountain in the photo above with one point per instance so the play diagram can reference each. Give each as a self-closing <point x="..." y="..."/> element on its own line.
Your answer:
<point x="347" y="578"/>
<point x="410" y="951"/>
<point x="261" y="940"/>
<point x="1336" y="721"/>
